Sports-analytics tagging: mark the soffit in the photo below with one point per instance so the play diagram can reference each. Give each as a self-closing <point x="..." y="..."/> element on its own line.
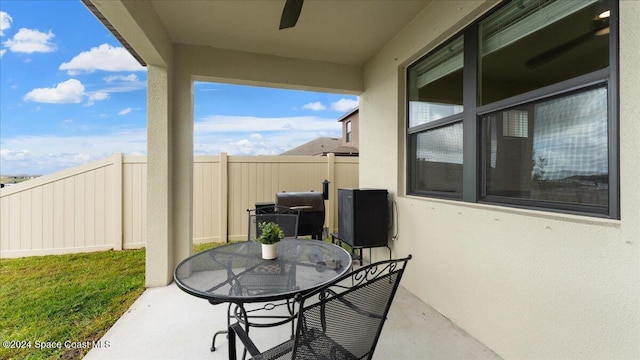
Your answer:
<point x="344" y="32"/>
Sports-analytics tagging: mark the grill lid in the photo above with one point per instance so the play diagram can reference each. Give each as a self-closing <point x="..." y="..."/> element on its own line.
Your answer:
<point x="306" y="201"/>
<point x="311" y="207"/>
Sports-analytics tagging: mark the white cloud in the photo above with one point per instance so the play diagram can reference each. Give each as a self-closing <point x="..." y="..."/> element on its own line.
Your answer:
<point x="30" y="41"/>
<point x="215" y="134"/>
<point x="5" y="22"/>
<point x="44" y="154"/>
<point x="104" y="57"/>
<point x="67" y="159"/>
<point x="124" y="111"/>
<point x="2" y="52"/>
<point x="343" y="105"/>
<point x="126" y="87"/>
<point x="25" y="162"/>
<point x="12" y="155"/>
<point x="70" y="91"/>
<point x="222" y="124"/>
<point x="238" y="145"/>
<point x="39" y="155"/>
<point x="99" y="96"/>
<point x="315" y="106"/>
<point x="112" y="78"/>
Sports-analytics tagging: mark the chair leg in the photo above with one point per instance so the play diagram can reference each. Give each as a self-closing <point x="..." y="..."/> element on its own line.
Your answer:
<point x="232" y="346"/>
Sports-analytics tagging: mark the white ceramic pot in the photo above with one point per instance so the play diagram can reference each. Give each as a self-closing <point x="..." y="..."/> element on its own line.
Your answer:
<point x="269" y="251"/>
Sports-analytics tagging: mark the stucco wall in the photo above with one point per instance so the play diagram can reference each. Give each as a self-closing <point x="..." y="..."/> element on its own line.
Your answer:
<point x="528" y="284"/>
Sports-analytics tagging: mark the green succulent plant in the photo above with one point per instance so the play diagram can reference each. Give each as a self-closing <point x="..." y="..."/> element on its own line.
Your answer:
<point x="270" y="233"/>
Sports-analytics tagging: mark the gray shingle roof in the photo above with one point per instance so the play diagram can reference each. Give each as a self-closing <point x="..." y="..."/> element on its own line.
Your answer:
<point x="319" y="146"/>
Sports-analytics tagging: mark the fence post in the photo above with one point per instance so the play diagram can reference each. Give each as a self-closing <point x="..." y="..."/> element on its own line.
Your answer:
<point x="117" y="201"/>
<point x="223" y="196"/>
<point x="331" y="203"/>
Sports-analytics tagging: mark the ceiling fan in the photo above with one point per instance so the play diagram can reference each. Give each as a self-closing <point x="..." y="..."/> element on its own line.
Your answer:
<point x="290" y="13"/>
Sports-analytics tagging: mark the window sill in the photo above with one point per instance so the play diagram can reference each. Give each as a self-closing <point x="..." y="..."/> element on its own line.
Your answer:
<point x="578" y="219"/>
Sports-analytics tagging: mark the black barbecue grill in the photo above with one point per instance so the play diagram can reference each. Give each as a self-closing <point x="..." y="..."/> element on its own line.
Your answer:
<point x="310" y="205"/>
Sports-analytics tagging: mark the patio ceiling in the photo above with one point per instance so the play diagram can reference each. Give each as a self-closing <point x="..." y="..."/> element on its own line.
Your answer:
<point x="345" y="32"/>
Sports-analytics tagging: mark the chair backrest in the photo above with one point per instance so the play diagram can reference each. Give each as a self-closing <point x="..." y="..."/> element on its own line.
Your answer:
<point x="343" y="320"/>
<point x="288" y="224"/>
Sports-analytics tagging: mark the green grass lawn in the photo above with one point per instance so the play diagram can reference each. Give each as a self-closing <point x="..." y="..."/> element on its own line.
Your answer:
<point x="67" y="299"/>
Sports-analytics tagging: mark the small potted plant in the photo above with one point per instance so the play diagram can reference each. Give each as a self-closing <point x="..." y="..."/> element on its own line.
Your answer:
<point x="270" y="235"/>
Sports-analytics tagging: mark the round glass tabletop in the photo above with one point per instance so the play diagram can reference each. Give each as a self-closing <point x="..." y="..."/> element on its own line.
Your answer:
<point x="237" y="273"/>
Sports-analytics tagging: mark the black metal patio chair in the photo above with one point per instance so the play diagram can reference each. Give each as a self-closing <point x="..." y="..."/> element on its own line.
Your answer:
<point x="273" y="275"/>
<point x="342" y="320"/>
<point x="288" y="222"/>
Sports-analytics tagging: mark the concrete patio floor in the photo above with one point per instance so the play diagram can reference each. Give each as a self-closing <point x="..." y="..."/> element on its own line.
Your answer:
<point x="167" y="323"/>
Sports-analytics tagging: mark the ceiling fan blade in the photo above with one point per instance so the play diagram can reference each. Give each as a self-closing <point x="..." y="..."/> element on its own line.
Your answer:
<point x="600" y="27"/>
<point x="558" y="50"/>
<point x="290" y="13"/>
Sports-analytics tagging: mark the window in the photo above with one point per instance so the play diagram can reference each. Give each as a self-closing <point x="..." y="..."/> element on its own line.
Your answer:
<point x="435" y="122"/>
<point x="348" y="131"/>
<point x="437" y="160"/>
<point x="563" y="162"/>
<point x="527" y="98"/>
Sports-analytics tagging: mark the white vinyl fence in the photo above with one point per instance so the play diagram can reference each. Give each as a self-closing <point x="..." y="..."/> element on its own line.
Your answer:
<point x="102" y="205"/>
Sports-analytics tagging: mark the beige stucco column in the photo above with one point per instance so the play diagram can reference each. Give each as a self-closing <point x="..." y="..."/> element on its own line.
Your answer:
<point x="159" y="205"/>
<point x="182" y="162"/>
<point x="169" y="173"/>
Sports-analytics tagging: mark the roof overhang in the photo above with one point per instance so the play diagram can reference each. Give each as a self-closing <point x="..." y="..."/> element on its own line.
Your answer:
<point x="339" y="34"/>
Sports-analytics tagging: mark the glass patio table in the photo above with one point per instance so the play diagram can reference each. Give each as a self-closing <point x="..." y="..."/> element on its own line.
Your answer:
<point x="236" y="274"/>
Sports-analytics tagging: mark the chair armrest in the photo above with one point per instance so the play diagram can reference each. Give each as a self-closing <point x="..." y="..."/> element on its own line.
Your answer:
<point x="236" y="329"/>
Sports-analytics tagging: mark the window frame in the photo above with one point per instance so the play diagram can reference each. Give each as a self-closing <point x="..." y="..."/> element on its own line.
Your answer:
<point x="474" y="189"/>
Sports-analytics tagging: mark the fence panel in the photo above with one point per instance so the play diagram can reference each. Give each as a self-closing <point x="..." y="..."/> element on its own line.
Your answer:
<point x="206" y="199"/>
<point x="258" y="178"/>
<point x="103" y="205"/>
<point x="134" y="202"/>
<point x="65" y="212"/>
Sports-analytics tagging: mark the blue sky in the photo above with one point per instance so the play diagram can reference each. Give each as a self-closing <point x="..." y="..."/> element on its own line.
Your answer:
<point x="70" y="94"/>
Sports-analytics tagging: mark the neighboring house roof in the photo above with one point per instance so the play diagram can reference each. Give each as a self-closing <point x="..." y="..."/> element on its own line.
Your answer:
<point x="344" y="151"/>
<point x="345" y="116"/>
<point x="319" y="146"/>
<point x="325" y="145"/>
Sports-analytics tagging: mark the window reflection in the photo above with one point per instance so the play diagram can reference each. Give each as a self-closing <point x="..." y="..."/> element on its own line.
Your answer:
<point x="529" y="44"/>
<point x="438" y="160"/>
<point x="435" y="85"/>
<point x="564" y="156"/>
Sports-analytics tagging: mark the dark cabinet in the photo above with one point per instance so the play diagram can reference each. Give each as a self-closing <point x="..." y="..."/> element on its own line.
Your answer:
<point x="363" y="218"/>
